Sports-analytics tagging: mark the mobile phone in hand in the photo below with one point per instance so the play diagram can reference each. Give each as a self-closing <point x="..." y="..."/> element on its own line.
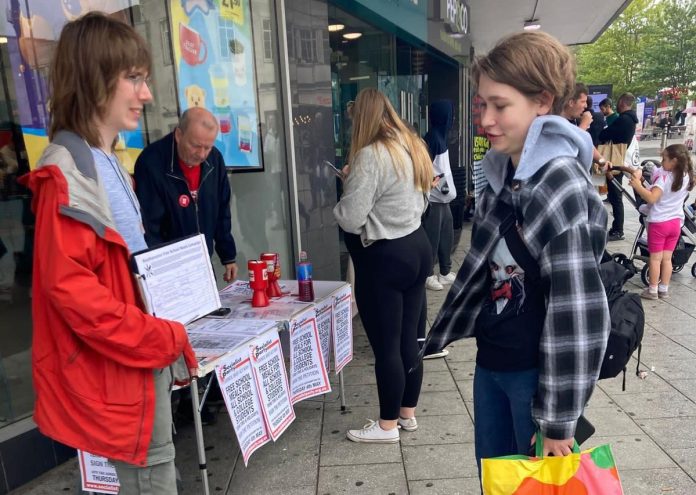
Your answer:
<point x="439" y="176"/>
<point x="339" y="173"/>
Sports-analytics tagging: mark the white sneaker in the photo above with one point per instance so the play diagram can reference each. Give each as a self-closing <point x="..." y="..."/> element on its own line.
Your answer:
<point x="431" y="283"/>
<point x="447" y="279"/>
<point x="373" y="433"/>
<point x="435" y="355"/>
<point x="408" y="424"/>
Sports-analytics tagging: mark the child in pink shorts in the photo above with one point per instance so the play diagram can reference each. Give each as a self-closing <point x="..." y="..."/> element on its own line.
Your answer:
<point x="666" y="198"/>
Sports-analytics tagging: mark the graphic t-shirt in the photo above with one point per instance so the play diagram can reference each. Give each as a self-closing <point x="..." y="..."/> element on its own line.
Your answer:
<point x="510" y="323"/>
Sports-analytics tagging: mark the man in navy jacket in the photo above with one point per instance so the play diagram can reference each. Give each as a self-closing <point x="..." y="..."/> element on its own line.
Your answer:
<point x="181" y="183"/>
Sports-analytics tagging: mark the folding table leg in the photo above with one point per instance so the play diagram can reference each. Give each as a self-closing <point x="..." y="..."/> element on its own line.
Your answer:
<point x="199" y="435"/>
<point x="342" y="391"/>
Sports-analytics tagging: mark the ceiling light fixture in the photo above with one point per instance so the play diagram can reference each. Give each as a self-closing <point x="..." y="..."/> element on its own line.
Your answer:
<point x="352" y="36"/>
<point x="532" y="25"/>
<point x="336" y="27"/>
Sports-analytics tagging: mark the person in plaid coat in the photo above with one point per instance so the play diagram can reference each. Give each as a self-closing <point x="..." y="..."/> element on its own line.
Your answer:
<point x="540" y="336"/>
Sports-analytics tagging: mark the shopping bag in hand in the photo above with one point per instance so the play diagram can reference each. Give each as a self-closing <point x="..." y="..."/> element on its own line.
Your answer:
<point x="590" y="472"/>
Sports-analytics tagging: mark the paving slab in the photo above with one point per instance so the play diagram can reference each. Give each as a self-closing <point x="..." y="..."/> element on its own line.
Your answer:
<point x="669" y="404"/>
<point x="365" y="479"/>
<point x="427" y="462"/>
<point x="686" y="458"/>
<point x="634" y="452"/>
<point x="656" y="482"/>
<point x="438" y="381"/>
<point x="612" y="421"/>
<point x="452" y="486"/>
<point x="462" y="370"/>
<point x="671" y="433"/>
<point x="438" y="403"/>
<point x="440" y="430"/>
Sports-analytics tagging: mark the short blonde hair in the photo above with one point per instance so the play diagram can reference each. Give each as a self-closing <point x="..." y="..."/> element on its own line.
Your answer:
<point x="530" y="62"/>
<point x="376" y="121"/>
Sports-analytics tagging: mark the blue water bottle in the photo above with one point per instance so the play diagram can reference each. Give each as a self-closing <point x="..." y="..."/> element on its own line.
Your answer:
<point x="304" y="279"/>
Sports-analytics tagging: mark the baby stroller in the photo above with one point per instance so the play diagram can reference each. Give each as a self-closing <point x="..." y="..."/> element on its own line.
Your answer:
<point x="639" y="250"/>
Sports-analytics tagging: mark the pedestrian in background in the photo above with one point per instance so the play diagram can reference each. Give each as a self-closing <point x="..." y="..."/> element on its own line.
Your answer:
<point x="529" y="289"/>
<point x="101" y="366"/>
<point x="384" y="196"/>
<point x="437" y="221"/>
<point x="666" y="195"/>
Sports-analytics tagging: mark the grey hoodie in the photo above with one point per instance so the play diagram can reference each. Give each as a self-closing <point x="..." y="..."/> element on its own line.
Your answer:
<point x="549" y="136"/>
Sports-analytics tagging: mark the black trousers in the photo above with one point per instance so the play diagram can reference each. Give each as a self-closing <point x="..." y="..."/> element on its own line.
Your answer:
<point x="390" y="290"/>
<point x="616" y="200"/>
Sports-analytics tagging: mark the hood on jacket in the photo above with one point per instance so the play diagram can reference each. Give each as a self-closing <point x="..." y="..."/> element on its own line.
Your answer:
<point x="549" y="137"/>
<point x="631" y="114"/>
<point x="441" y="112"/>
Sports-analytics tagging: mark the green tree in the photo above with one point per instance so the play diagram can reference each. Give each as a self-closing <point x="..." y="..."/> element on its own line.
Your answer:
<point x="650" y="46"/>
<point x="670" y="60"/>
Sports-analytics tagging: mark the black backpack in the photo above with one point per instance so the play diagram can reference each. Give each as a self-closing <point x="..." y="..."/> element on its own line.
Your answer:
<point x="627" y="321"/>
<point x="625" y="309"/>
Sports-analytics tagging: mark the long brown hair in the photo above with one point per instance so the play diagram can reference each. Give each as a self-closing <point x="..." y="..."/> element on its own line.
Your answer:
<point x="683" y="166"/>
<point x="532" y="63"/>
<point x="92" y="53"/>
<point x="376" y="121"/>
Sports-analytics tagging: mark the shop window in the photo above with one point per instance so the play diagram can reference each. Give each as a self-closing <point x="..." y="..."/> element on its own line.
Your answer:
<point x="291" y="44"/>
<point x="267" y="40"/>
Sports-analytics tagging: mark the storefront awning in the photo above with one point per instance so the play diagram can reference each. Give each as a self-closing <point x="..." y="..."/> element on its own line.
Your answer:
<point x="573" y="22"/>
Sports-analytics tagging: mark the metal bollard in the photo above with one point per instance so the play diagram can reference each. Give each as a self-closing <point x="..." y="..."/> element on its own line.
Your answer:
<point x="663" y="142"/>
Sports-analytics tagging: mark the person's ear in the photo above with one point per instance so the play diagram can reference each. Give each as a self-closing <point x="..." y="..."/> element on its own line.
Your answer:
<point x="545" y="103"/>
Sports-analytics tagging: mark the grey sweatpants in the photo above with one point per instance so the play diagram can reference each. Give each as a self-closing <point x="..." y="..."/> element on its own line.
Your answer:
<point x="439" y="229"/>
<point x="159" y="476"/>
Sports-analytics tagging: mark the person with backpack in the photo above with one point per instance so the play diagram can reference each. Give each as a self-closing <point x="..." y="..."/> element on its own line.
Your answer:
<point x="666" y="197"/>
<point x="529" y="290"/>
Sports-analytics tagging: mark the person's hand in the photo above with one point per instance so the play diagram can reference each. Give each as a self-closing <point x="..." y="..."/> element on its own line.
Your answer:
<point x="230" y="272"/>
<point x="345" y="170"/>
<point x="585" y="120"/>
<point x="435" y="182"/>
<point x="638" y="174"/>
<point x="557" y="448"/>
<point x="634" y="181"/>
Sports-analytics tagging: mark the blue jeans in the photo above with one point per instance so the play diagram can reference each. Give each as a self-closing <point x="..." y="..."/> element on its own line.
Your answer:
<point x="503" y="412"/>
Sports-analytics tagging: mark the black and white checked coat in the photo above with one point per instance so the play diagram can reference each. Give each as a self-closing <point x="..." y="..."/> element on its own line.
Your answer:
<point x="563" y="224"/>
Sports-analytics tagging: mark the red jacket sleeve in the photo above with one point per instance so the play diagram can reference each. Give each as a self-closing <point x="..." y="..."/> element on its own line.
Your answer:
<point x="88" y="283"/>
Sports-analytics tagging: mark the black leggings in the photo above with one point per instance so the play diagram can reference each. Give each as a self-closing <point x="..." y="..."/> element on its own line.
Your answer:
<point x="390" y="290"/>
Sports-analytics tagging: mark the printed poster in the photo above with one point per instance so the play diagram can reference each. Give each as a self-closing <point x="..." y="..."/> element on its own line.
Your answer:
<point x="236" y="378"/>
<point x="308" y="375"/>
<point x="342" y="328"/>
<point x="272" y="383"/>
<point x="324" y="314"/>
<point x="214" y="57"/>
<point x="97" y="473"/>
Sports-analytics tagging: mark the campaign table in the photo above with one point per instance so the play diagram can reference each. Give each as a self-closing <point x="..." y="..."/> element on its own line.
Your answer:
<point x="283" y="313"/>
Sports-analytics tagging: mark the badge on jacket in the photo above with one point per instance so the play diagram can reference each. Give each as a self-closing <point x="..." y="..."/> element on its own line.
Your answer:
<point x="184" y="200"/>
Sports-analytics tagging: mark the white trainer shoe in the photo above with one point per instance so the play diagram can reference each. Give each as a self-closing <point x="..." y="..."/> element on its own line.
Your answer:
<point x="447" y="279"/>
<point x="408" y="424"/>
<point x="435" y="355"/>
<point x="373" y="433"/>
<point x="431" y="283"/>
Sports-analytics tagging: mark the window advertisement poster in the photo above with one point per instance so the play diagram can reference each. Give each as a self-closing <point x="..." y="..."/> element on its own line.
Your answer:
<point x="213" y="53"/>
<point x="31" y="29"/>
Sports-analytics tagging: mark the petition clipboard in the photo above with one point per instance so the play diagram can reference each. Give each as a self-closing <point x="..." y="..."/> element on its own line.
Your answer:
<point x="176" y="279"/>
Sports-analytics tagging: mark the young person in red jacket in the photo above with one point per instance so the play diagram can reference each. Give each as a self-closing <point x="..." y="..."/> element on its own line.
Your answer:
<point x="101" y="365"/>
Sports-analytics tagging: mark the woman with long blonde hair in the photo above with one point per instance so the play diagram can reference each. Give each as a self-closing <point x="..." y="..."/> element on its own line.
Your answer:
<point x="385" y="194"/>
